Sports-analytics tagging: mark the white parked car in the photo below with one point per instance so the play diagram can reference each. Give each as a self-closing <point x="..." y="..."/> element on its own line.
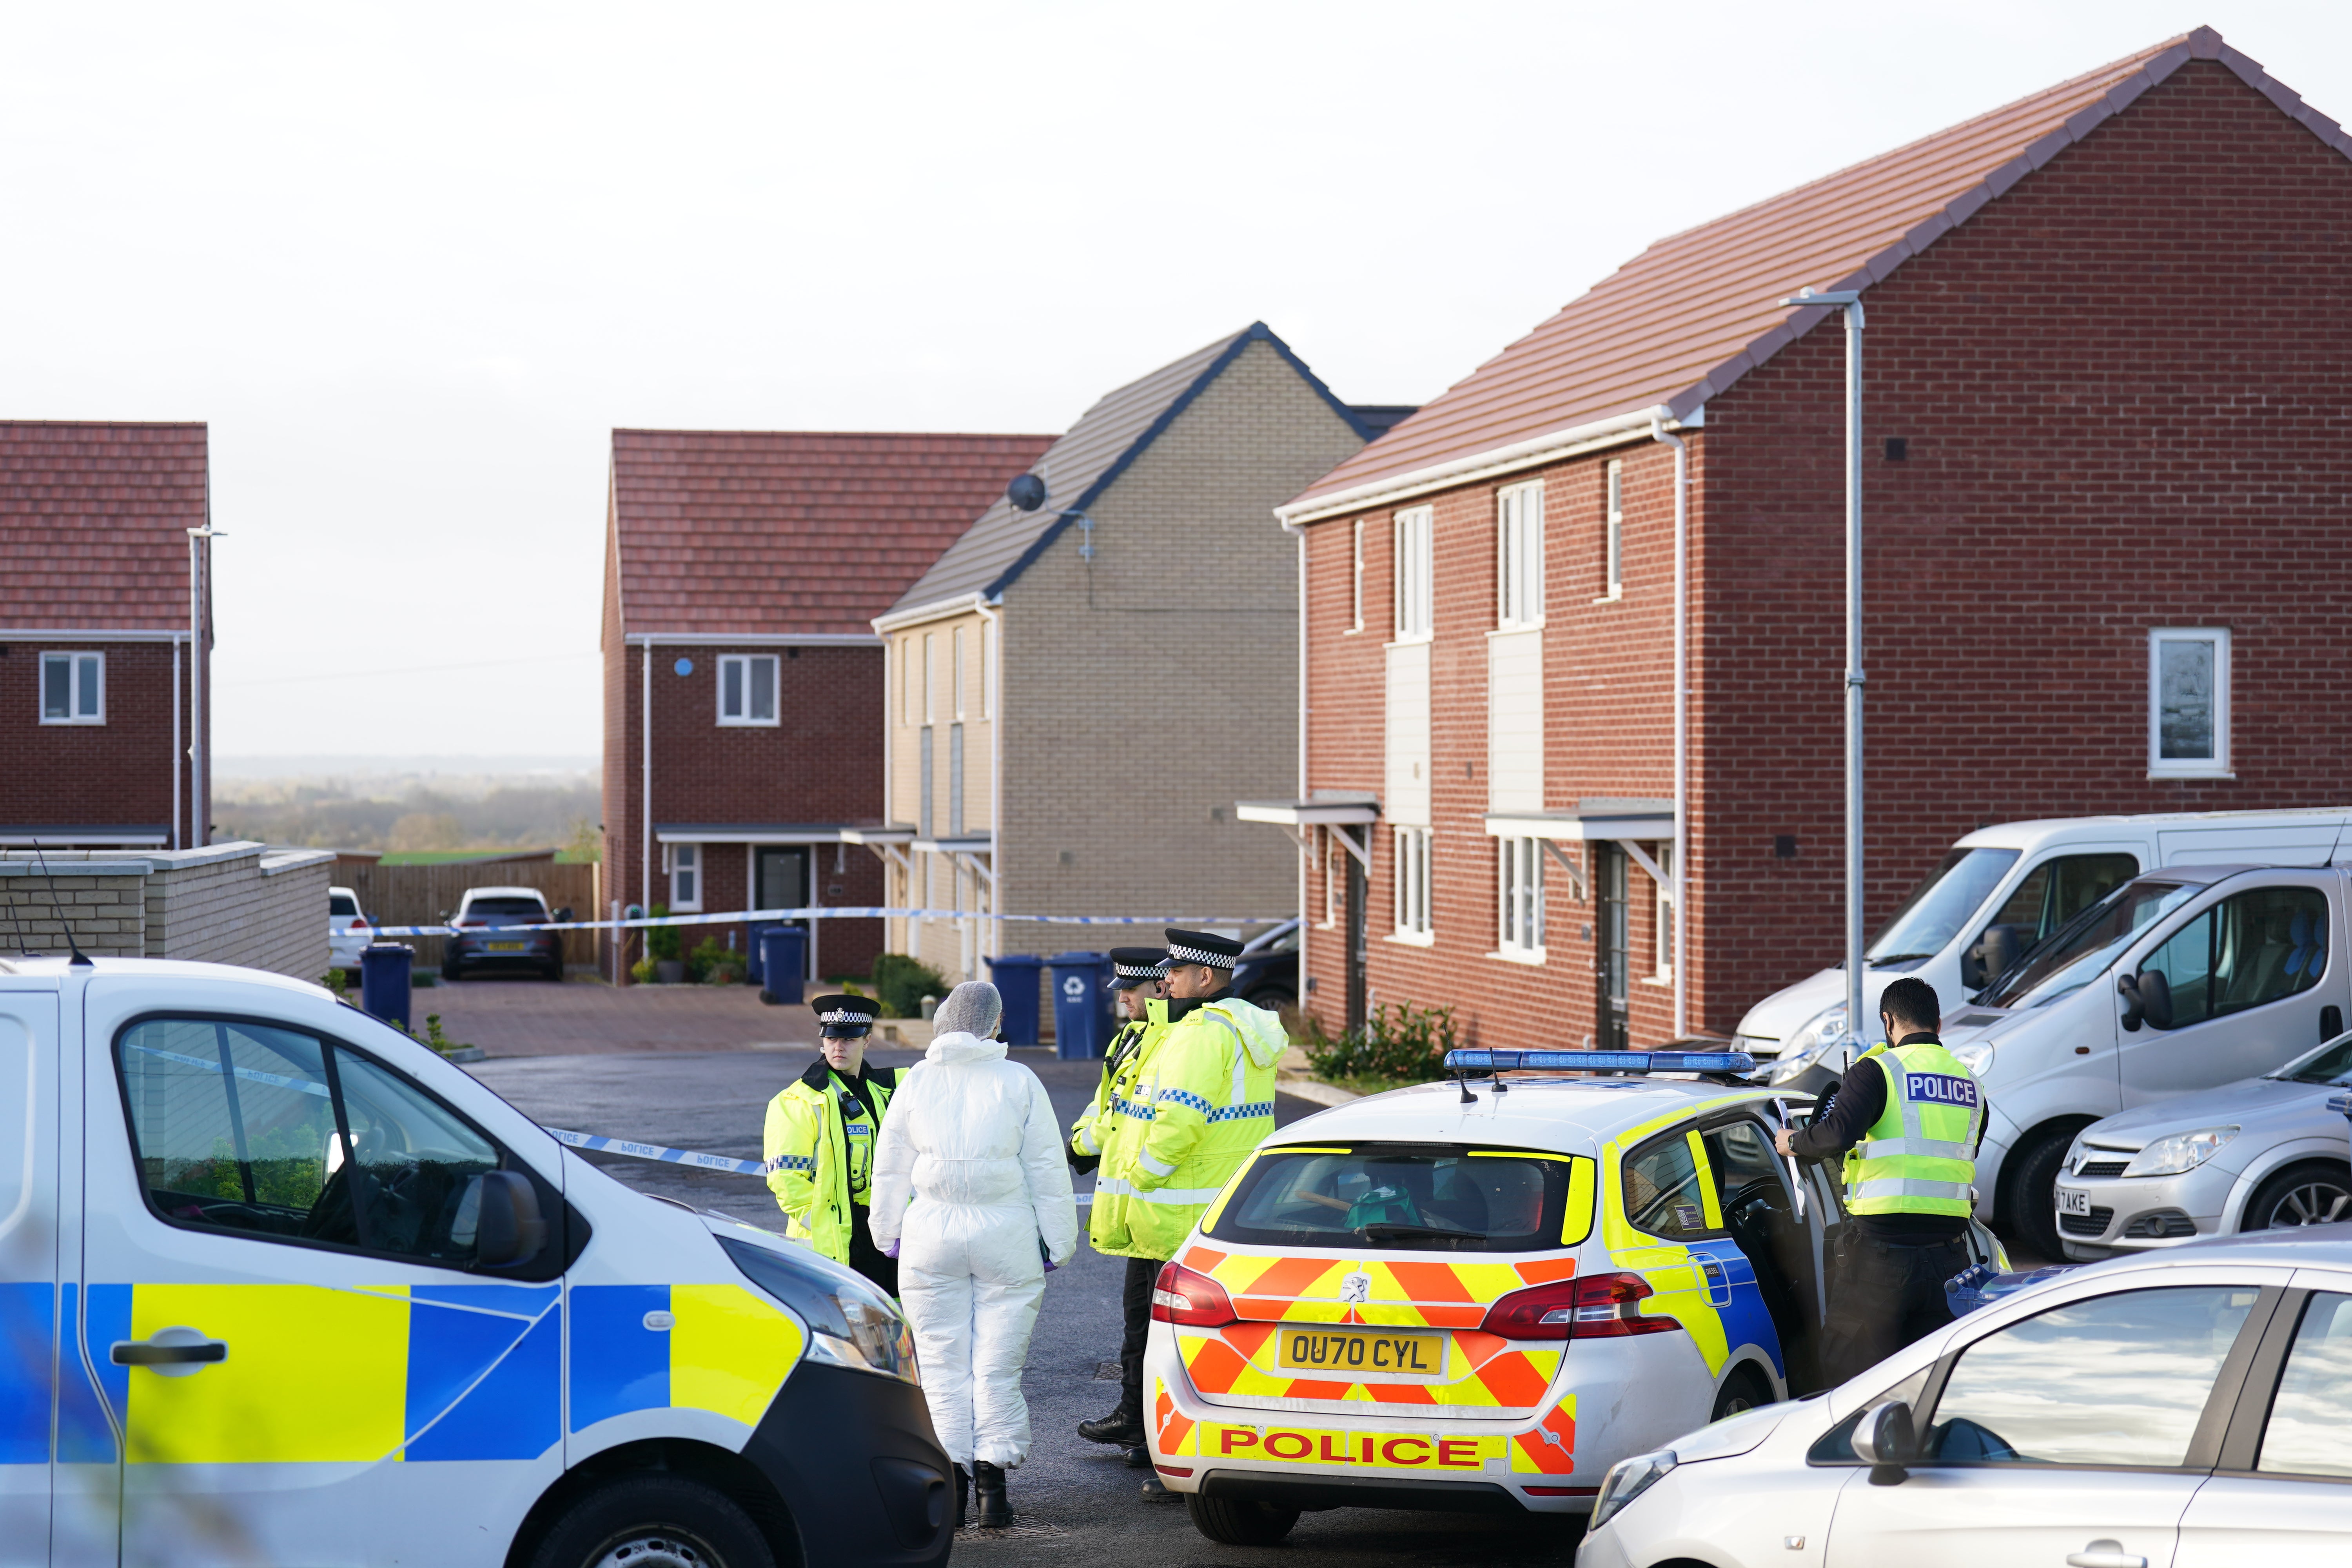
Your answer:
<point x="2263" y="1154"/>
<point x="348" y="932"/>
<point x="2000" y="889"/>
<point x="2184" y="1410"/>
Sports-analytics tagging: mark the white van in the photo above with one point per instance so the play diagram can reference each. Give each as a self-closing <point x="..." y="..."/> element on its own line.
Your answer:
<point x="278" y="1284"/>
<point x="2002" y="890"/>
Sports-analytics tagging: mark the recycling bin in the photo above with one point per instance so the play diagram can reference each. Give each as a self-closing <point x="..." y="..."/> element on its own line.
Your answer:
<point x="1015" y="977"/>
<point x="384" y="981"/>
<point x="783" y="958"/>
<point x="1082" y="1027"/>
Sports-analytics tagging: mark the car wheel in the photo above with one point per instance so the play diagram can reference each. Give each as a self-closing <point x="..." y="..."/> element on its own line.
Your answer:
<point x="449" y="973"/>
<point x="1272" y="997"/>
<point x="1237" y="1522"/>
<point x="656" y="1521"/>
<point x="2308" y="1193"/>
<point x="1745" y="1389"/>
<point x="2033" y="1193"/>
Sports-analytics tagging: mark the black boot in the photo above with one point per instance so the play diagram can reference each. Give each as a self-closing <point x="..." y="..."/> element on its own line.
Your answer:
<point x="1137" y="1458"/>
<point x="963" y="1490"/>
<point x="988" y="1490"/>
<point x="1122" y="1429"/>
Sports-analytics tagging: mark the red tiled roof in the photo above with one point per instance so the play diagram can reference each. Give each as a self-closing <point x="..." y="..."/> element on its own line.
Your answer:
<point x="756" y="532"/>
<point x="1689" y="316"/>
<point x="93" y="520"/>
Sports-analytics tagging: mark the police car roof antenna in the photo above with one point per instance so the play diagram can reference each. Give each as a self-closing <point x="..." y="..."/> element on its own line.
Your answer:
<point x="80" y="960"/>
<point x="1462" y="1077"/>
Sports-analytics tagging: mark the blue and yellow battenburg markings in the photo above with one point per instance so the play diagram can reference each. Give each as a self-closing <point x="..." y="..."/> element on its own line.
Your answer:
<point x="418" y="1374"/>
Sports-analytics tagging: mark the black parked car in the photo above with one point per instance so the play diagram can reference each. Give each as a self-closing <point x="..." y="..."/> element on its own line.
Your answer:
<point x="1267" y="973"/>
<point x="485" y="940"/>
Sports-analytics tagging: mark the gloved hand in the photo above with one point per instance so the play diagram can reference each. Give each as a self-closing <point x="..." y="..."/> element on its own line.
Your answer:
<point x="1050" y="1266"/>
<point x="891" y="1250"/>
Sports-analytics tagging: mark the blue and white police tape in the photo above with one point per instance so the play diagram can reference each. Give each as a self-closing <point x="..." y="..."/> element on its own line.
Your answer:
<point x="668" y="1156"/>
<point x="836" y="912"/>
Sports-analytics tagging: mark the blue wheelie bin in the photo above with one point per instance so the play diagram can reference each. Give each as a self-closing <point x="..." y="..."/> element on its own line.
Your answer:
<point x="1081" y="1005"/>
<point x="783" y="959"/>
<point x="1016" y="977"/>
<point x="384" y="981"/>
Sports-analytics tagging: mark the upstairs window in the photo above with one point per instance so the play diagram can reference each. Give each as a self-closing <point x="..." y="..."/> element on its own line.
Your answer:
<point x="905" y="680"/>
<point x="988" y="670"/>
<point x="1519" y="556"/>
<point x="2188" y="703"/>
<point x="1356" y="582"/>
<point x="747" y="689"/>
<point x="1412" y="920"/>
<point x="73" y="688"/>
<point x="1612" y="548"/>
<point x="931" y="706"/>
<point x="956" y="651"/>
<point x="1415" y="567"/>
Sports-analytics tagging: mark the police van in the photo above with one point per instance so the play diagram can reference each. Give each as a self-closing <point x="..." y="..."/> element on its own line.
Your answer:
<point x="1479" y="1295"/>
<point x="278" y="1284"/>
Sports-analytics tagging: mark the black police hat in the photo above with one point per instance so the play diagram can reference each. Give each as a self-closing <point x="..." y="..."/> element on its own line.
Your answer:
<point x="1133" y="967"/>
<point x="847" y="1017"/>
<point x="1202" y="947"/>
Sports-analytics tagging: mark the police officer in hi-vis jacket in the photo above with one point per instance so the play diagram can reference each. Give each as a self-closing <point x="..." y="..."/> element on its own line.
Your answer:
<point x="819" y="1142"/>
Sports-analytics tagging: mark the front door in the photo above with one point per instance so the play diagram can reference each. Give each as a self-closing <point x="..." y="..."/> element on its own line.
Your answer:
<point x="1609" y="961"/>
<point x="1359" y="982"/>
<point x="2252" y="985"/>
<point x="282" y="1312"/>
<point x="780" y="881"/>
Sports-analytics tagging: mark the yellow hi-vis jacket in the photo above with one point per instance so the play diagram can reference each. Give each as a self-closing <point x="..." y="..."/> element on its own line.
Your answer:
<point x="1091" y="1134"/>
<point x="1115" y="1122"/>
<point x="822" y="1155"/>
<point x="1920" y="1155"/>
<point x="1210" y="1087"/>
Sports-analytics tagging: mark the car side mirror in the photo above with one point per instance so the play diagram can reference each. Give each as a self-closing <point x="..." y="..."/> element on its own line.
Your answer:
<point x="2135" y="1010"/>
<point x="507" y="1225"/>
<point x="2155" y="998"/>
<point x="1885" y="1440"/>
<point x="561" y="916"/>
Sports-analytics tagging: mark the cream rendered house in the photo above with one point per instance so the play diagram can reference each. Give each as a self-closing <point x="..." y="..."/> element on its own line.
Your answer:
<point x="1079" y="691"/>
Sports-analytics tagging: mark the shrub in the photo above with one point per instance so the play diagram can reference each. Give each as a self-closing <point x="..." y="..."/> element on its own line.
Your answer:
<point x="642" y="972"/>
<point x="901" y="982"/>
<point x="661" y="942"/>
<point x="712" y="961"/>
<point x="1401" y="1044"/>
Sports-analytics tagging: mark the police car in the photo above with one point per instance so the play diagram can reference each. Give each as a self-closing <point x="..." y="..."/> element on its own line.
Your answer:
<point x="1481" y="1294"/>
<point x="279" y="1285"/>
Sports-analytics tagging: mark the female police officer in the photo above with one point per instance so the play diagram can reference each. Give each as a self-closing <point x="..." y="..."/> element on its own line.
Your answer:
<point x="820" y="1138"/>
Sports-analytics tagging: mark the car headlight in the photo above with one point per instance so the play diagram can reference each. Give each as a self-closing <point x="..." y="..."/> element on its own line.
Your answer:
<point x="1809" y="1044"/>
<point x="1977" y="1056"/>
<point x="850" y="1321"/>
<point x="2180" y="1151"/>
<point x="1627" y="1479"/>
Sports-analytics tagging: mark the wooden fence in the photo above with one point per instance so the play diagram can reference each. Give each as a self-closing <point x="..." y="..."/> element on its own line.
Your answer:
<point x="421" y="895"/>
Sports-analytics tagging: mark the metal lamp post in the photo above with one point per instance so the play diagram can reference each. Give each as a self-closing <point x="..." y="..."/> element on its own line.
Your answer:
<point x="1850" y="300"/>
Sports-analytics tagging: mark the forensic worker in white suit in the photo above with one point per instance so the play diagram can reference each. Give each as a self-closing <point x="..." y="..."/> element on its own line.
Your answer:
<point x="971" y="1195"/>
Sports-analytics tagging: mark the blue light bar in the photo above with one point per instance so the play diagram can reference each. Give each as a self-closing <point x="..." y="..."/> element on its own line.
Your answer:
<point x="1625" y="1062"/>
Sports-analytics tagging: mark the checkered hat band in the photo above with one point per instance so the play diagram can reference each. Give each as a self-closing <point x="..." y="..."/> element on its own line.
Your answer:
<point x="843" y="1016"/>
<point x="1139" y="971"/>
<point x="1200" y="955"/>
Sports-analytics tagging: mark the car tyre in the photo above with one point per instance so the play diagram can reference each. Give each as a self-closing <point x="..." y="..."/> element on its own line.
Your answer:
<point x="659" y="1519"/>
<point x="1272" y="998"/>
<point x="2033" y="1192"/>
<point x="1238" y="1521"/>
<point x="449" y="974"/>
<point x="2301" y="1194"/>
<point x="1745" y="1389"/>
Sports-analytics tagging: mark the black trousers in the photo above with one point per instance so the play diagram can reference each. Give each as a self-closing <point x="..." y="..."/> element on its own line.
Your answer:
<point x="867" y="1258"/>
<point x="1135" y="1303"/>
<point x="1883" y="1296"/>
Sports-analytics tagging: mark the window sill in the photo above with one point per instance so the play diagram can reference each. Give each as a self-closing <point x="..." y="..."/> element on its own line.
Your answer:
<point x="1516" y="627"/>
<point x="1353" y="631"/>
<point x="75" y="723"/>
<point x="1616" y="598"/>
<point x="2159" y="775"/>
<point x="1533" y="957"/>
<point x="1420" y="639"/>
<point x="1659" y="981"/>
<point x="1409" y="939"/>
<point x="750" y="724"/>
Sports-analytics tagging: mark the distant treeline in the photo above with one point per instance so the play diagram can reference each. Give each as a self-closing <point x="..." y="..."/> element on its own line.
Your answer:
<point x="331" y="816"/>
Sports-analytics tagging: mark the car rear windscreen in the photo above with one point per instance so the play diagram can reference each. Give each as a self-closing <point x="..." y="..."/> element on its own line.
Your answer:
<point x="1387" y="1197"/>
<point x="341" y="908"/>
<point x="512" y="909"/>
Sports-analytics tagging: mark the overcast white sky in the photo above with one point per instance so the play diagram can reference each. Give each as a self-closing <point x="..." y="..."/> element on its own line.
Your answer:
<point x="413" y="262"/>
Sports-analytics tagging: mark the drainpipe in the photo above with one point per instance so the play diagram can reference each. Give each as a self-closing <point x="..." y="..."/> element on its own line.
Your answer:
<point x="1658" y="431"/>
<point x="991" y="692"/>
<point x="645" y="783"/>
<point x="175" y="741"/>
<point x="1299" y="531"/>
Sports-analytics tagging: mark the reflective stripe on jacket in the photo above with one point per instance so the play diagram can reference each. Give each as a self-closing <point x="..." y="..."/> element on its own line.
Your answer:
<point x="1919" y="1156"/>
<point x="1209" y="1089"/>
<point x="826" y="1153"/>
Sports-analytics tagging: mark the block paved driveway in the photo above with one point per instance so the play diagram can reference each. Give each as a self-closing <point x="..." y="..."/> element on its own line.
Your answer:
<point x="1076" y="1505"/>
<point x="514" y="1017"/>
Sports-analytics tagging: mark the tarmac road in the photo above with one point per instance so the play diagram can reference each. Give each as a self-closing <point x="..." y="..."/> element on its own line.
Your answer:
<point x="1076" y="1505"/>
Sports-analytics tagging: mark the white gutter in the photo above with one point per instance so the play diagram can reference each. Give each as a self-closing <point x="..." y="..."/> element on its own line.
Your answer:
<point x="1571" y="441"/>
<point x="1681" y="726"/>
<point x="961" y="603"/>
<point x="761" y="639"/>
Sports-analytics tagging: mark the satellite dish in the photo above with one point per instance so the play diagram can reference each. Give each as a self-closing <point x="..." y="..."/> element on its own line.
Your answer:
<point x="1027" y="492"/>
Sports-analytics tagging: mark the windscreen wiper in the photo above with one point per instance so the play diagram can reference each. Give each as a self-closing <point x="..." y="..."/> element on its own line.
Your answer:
<point x="1383" y="1231"/>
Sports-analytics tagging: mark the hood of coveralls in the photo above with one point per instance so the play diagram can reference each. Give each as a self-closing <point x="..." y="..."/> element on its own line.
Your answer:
<point x="960" y="1047"/>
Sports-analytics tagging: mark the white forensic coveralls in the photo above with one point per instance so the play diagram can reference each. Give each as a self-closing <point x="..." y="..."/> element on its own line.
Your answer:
<point x="969" y="1177"/>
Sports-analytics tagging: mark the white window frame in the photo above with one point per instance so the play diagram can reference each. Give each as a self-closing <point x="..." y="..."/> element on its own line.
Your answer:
<point x="930" y="681"/>
<point x="743" y="665"/>
<point x="988" y="670"/>
<point x="2218" y="765"/>
<point x="1519" y="900"/>
<point x="79" y="663"/>
<point x="906" y="679"/>
<point x="1413" y="923"/>
<point x="1331" y="853"/>
<point x="1612" y="539"/>
<point x="955" y="650"/>
<point x="1662" y="936"/>
<point x="1356" y="582"/>
<point x="684" y="864"/>
<point x="1413" y="568"/>
<point x="1519" y="556"/>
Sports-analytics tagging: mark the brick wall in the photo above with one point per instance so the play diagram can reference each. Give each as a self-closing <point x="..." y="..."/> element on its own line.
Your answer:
<point x="232" y="903"/>
<point x="117" y="774"/>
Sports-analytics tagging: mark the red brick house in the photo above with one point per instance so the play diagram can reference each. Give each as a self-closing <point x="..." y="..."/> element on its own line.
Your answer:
<point x="2108" y="359"/>
<point x="104" y="704"/>
<point x="741" y="570"/>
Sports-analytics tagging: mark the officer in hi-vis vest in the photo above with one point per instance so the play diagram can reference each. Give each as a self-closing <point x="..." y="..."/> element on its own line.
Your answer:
<point x="1908" y="1119"/>
<point x="819" y="1142"/>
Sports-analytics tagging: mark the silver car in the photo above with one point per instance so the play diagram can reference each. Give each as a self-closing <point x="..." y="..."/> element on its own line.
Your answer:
<point x="2262" y="1153"/>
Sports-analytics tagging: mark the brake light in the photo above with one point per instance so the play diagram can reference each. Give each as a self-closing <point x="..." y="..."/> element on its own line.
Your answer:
<point x="1596" y="1306"/>
<point x="1186" y="1296"/>
<point x="472" y="925"/>
<point x="359" y="923"/>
